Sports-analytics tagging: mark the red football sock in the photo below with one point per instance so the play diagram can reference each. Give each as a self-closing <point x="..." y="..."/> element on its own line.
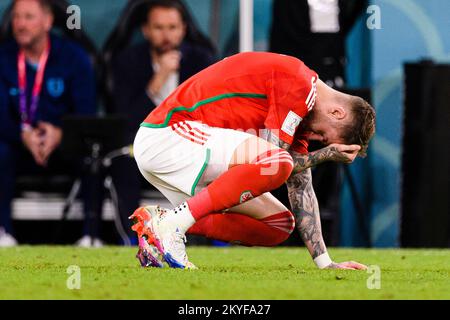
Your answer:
<point x="244" y="230"/>
<point x="242" y="183"/>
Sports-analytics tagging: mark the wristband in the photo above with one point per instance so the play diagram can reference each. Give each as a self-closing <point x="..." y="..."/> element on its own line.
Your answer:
<point x="323" y="260"/>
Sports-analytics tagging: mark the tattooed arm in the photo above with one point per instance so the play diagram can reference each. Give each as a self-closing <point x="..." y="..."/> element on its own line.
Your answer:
<point x="333" y="152"/>
<point x="307" y="215"/>
<point x="303" y="198"/>
<point x="306" y="209"/>
<point x="270" y="136"/>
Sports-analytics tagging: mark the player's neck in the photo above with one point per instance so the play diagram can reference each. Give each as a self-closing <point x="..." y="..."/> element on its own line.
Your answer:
<point x="324" y="95"/>
<point x="327" y="96"/>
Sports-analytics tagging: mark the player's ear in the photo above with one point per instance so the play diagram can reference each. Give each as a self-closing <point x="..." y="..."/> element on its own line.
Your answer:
<point x="338" y="112"/>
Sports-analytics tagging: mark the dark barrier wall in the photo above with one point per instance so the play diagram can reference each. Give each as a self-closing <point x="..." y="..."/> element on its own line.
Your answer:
<point x="425" y="198"/>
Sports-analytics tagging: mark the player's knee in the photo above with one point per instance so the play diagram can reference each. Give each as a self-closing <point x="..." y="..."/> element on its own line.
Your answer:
<point x="279" y="168"/>
<point x="277" y="237"/>
<point x="282" y="225"/>
<point x="286" y="166"/>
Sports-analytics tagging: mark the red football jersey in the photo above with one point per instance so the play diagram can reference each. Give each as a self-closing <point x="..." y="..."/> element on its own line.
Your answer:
<point x="248" y="91"/>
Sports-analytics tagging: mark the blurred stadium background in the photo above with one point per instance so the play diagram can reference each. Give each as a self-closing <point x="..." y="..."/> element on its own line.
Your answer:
<point x="411" y="31"/>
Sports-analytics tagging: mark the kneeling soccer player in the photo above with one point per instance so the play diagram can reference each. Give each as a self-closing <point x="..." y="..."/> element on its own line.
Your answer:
<point x="228" y="136"/>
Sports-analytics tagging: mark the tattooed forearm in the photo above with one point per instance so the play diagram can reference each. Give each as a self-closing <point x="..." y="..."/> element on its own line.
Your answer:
<point x="304" y="161"/>
<point x="274" y="139"/>
<point x="306" y="209"/>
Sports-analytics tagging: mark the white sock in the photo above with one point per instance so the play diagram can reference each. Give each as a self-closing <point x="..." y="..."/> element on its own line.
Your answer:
<point x="181" y="217"/>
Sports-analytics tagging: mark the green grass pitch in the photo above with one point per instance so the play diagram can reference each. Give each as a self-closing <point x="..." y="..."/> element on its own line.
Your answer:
<point x="40" y="272"/>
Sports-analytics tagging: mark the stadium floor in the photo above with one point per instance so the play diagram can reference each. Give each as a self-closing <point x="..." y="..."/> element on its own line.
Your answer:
<point x="41" y="272"/>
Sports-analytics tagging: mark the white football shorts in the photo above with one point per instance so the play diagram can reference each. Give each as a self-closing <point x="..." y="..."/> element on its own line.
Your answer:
<point x="182" y="159"/>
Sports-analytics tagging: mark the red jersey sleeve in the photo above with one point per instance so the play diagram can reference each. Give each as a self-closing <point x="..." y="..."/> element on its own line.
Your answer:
<point x="291" y="96"/>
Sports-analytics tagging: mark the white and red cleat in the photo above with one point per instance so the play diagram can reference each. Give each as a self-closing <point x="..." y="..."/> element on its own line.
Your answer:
<point x="159" y="240"/>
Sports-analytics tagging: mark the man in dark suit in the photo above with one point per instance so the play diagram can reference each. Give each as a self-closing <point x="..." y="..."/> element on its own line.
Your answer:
<point x="145" y="74"/>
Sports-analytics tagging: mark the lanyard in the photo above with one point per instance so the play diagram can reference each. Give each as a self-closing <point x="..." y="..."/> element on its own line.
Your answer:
<point x="28" y="115"/>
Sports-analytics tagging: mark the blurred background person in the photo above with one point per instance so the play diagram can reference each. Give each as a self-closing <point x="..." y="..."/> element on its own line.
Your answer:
<point x="42" y="78"/>
<point x="145" y="73"/>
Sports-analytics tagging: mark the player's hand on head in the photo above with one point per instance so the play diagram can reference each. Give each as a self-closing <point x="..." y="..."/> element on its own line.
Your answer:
<point x="344" y="153"/>
<point x="348" y="265"/>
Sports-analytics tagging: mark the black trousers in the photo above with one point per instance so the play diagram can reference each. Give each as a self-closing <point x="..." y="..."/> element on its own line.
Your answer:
<point x="16" y="160"/>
